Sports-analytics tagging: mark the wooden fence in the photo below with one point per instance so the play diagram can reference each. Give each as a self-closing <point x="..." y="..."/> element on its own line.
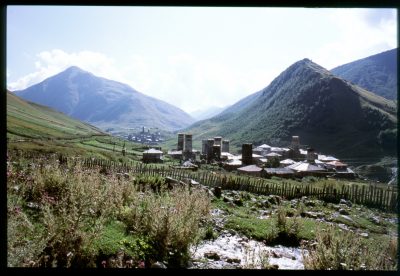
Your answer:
<point x="385" y="198"/>
<point x="371" y="196"/>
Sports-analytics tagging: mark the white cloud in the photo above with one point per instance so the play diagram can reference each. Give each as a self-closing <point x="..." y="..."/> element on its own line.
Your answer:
<point x="52" y="62"/>
<point x="361" y="33"/>
<point x="183" y="80"/>
<point x="192" y="83"/>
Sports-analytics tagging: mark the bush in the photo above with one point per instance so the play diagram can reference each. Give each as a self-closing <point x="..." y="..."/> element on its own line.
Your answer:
<point x="288" y="230"/>
<point x="23" y="243"/>
<point x="170" y="220"/>
<point x="61" y="210"/>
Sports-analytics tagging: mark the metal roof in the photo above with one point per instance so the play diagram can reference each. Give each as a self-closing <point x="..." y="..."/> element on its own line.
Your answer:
<point x="250" y="168"/>
<point x="264" y="146"/>
<point x="153" y="151"/>
<point x="305" y="167"/>
<point x="287" y="162"/>
<point x="234" y="162"/>
<point x="253" y="155"/>
<point x="277" y="149"/>
<point x="272" y="154"/>
<point x="326" y="158"/>
<point x="294" y="165"/>
<point x="227" y="154"/>
<point x="304" y="152"/>
<point x="174" y="152"/>
<point x="337" y="164"/>
<point x="279" y="171"/>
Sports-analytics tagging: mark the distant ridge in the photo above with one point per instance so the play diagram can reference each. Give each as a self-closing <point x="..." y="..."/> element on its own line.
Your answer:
<point x="104" y="103"/>
<point x="207" y="113"/>
<point x="376" y="73"/>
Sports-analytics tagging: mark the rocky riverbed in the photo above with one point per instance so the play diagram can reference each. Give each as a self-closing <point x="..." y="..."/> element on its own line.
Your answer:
<point x="231" y="249"/>
<point x="236" y="251"/>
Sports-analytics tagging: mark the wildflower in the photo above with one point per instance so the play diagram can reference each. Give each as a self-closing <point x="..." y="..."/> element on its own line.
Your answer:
<point x="141" y="264"/>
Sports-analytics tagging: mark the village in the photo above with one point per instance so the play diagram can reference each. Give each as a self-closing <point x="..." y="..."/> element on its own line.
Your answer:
<point x="260" y="161"/>
<point x="142" y="137"/>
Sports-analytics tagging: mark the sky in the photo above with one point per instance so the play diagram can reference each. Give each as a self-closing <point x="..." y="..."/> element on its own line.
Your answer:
<point x="191" y="57"/>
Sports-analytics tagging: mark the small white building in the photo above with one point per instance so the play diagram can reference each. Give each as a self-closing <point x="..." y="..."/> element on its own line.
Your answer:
<point x="251" y="170"/>
<point x="152" y="156"/>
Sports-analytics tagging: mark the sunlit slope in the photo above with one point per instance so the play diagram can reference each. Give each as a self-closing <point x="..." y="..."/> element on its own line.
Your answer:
<point x="29" y="120"/>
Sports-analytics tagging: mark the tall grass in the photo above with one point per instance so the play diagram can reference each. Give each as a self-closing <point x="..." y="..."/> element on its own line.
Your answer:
<point x="339" y="250"/>
<point x="170" y="219"/>
<point x="55" y="212"/>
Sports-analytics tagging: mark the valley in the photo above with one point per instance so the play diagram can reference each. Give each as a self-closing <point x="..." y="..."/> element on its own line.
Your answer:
<point x="136" y="183"/>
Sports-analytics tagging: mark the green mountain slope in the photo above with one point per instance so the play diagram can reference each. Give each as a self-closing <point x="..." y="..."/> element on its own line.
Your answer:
<point x="30" y="120"/>
<point x="39" y="129"/>
<point x="328" y="113"/>
<point x="377" y="73"/>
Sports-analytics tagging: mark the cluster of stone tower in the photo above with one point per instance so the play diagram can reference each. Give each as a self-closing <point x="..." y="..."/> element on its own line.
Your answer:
<point x="185" y="145"/>
<point x="211" y="148"/>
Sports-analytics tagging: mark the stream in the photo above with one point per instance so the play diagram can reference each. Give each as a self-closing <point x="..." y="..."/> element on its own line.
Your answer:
<point x="235" y="251"/>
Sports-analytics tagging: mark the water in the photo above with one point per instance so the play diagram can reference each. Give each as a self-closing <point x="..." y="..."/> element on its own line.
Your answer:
<point x="237" y="251"/>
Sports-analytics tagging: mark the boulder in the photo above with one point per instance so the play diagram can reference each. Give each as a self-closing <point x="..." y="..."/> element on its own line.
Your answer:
<point x="233" y="260"/>
<point x="264" y="204"/>
<point x="375" y="220"/>
<point x="343" y="212"/>
<point x="275" y="255"/>
<point x="158" y="265"/>
<point x="274" y="199"/>
<point x="227" y="199"/>
<point x="238" y="201"/>
<point x="310" y="203"/>
<point x="217" y="192"/>
<point x="347" y="218"/>
<point x="33" y="205"/>
<point x="274" y="266"/>
<point x="346" y="202"/>
<point x="212" y="255"/>
<point x="312" y="215"/>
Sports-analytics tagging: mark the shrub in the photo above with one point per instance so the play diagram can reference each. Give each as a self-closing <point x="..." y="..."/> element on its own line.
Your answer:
<point x="288" y="229"/>
<point x="23" y="243"/>
<point x="170" y="219"/>
<point x="71" y="206"/>
<point x="77" y="218"/>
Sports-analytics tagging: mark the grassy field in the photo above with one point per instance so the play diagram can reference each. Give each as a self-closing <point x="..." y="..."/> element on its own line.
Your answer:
<point x="36" y="128"/>
<point x="67" y="215"/>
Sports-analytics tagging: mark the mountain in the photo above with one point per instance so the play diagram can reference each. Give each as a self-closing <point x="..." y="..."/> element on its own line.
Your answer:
<point x="29" y="120"/>
<point x="104" y="103"/>
<point x="207" y="113"/>
<point x="377" y="73"/>
<point x="328" y="113"/>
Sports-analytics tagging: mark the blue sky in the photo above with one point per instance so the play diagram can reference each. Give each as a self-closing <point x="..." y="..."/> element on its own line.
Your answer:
<point x="191" y="57"/>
